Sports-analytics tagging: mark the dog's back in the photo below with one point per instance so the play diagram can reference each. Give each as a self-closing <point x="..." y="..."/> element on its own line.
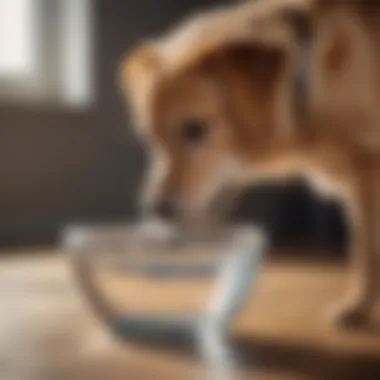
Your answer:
<point x="345" y="71"/>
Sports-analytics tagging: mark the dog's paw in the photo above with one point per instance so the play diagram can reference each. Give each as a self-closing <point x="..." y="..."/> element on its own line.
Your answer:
<point x="349" y="315"/>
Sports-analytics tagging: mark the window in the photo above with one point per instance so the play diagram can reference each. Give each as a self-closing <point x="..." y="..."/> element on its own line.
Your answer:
<point x="17" y="37"/>
<point x="45" y="51"/>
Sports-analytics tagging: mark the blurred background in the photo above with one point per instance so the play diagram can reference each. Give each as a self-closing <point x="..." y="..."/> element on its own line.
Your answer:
<point x="68" y="156"/>
<point x="67" y="153"/>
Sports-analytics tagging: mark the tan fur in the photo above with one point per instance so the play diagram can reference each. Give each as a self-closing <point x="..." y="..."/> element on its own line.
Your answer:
<point x="233" y="68"/>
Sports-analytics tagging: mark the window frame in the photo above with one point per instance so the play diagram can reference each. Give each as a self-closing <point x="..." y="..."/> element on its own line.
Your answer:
<point x="49" y="84"/>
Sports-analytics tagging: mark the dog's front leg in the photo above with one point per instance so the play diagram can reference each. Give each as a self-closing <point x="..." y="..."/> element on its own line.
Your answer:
<point x="363" y="212"/>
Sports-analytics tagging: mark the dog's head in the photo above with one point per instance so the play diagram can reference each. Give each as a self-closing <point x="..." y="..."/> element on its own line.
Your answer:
<point x="209" y="101"/>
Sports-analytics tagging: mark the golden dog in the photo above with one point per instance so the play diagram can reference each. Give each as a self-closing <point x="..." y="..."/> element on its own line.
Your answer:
<point x="215" y="102"/>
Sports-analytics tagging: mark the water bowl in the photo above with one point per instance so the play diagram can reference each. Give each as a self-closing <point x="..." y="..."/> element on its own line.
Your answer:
<point x="149" y="282"/>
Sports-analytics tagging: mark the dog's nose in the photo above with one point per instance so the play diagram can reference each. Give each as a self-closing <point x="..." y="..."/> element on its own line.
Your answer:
<point x="165" y="209"/>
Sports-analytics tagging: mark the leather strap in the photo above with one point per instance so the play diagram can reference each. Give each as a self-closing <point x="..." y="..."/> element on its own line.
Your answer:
<point x="301" y="23"/>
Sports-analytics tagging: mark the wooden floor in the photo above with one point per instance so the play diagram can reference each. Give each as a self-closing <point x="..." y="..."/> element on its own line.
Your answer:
<point x="47" y="332"/>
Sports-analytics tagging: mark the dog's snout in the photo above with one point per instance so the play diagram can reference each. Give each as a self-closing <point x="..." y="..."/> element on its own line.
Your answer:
<point x="165" y="209"/>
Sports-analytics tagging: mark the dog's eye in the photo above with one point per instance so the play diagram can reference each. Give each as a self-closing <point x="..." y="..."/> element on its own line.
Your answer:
<point x="193" y="131"/>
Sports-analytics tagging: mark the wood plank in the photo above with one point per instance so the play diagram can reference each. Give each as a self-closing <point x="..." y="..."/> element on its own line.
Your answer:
<point x="47" y="331"/>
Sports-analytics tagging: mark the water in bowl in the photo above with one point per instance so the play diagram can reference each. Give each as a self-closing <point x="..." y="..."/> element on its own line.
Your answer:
<point x="152" y="282"/>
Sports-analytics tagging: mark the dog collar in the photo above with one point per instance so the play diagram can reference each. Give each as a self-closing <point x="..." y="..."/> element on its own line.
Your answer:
<point x="301" y="24"/>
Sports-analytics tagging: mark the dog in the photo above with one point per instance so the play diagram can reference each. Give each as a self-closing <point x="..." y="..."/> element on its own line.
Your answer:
<point x="267" y="90"/>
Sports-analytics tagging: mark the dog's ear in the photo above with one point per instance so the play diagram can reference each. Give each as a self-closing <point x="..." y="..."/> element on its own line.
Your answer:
<point x="137" y="74"/>
<point x="254" y="80"/>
